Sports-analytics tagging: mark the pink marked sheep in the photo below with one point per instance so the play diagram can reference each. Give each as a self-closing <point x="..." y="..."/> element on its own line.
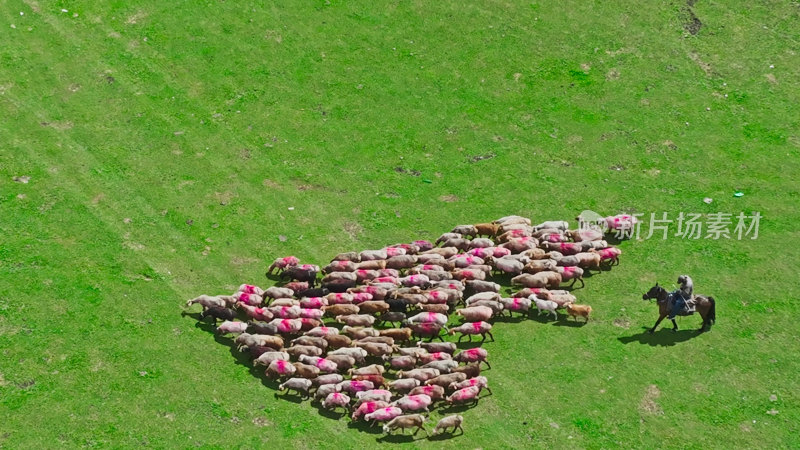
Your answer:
<point x="435" y="392"/>
<point x="282" y="263"/>
<point x="475" y="313"/>
<point x="266" y="358"/>
<point x="336" y="400"/>
<point x="465" y="395"/>
<point x="418" y="402"/>
<point x="473" y="328"/>
<point x="279" y="368"/>
<point x="571" y="273"/>
<point x="474" y="355"/>
<point x="383" y="415"/>
<point x="229" y="326"/>
<point x="479" y="382"/>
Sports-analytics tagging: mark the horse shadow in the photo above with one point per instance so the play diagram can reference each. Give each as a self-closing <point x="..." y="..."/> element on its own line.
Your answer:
<point x="664" y="337"/>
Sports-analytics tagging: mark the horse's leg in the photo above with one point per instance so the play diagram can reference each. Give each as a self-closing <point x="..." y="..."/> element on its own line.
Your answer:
<point x="660" y="318"/>
<point x="674" y="325"/>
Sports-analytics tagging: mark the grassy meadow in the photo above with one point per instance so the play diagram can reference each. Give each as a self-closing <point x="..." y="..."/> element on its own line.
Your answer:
<point x="176" y="148"/>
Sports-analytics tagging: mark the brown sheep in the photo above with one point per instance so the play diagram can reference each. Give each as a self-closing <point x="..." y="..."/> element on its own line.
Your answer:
<point x="487" y="229"/>
<point x="578" y="310"/>
<point x="373" y="307"/>
<point x="306" y="371"/>
<point x="398" y="334"/>
<point x="440" y="308"/>
<point x="337" y="341"/>
<point x="340" y="310"/>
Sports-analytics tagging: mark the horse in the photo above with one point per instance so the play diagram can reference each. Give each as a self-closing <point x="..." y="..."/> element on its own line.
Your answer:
<point x="704" y="305"/>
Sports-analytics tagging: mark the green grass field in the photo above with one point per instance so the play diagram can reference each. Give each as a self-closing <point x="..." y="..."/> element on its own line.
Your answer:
<point x="167" y="143"/>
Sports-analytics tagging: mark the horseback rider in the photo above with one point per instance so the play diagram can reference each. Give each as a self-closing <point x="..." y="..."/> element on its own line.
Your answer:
<point x="681" y="295"/>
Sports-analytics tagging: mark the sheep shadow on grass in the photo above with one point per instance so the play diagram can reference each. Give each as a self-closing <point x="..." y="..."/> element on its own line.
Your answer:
<point x="290" y="397"/>
<point x="364" y="427"/>
<point x="400" y="438"/>
<point x="331" y="414"/>
<point x="446" y="435"/>
<point x="664" y="337"/>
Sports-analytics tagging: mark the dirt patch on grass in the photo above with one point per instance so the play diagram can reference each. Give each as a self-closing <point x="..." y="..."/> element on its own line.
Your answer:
<point x="59" y="125"/>
<point x="245" y="154"/>
<point x="241" y="261"/>
<point x="771" y="78"/>
<point x="411" y="172"/>
<point x="622" y="323"/>
<point x="261" y="422"/>
<point x="612" y="75"/>
<point x="448" y="198"/>
<point x="98" y="198"/>
<point x="477" y="158"/>
<point x="270" y="183"/>
<point x="224" y="197"/>
<point x="706" y="67"/>
<point x="691" y="23"/>
<point x="353" y="229"/>
<point x="648" y="404"/>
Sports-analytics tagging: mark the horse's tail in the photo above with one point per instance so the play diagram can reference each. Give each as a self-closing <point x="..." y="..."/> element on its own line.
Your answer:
<point x="712" y="312"/>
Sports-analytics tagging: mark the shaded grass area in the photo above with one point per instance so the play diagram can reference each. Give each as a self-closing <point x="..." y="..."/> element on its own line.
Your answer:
<point x="166" y="143"/>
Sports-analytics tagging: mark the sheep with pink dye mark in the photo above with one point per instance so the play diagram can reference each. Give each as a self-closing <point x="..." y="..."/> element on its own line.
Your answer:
<point x="465" y="395"/>
<point x="250" y="289"/>
<point x="282" y="263"/>
<point x="322" y="331"/>
<point x="249" y="299"/>
<point x="324" y="365"/>
<point x="279" y="368"/>
<point x="278" y="292"/>
<point x="373" y="395"/>
<point x="610" y="254"/>
<point x="383" y="415"/>
<point x="287" y="326"/>
<point x="472" y="355"/>
<point x="516" y="304"/>
<point x="368" y="408"/>
<point x="353" y="386"/>
<point x="435" y="392"/>
<point x="480" y="382"/>
<point x="266" y="358"/>
<point x="255" y="312"/>
<point x="428" y="317"/>
<point x="418" y="402"/>
<point x="415" y="280"/>
<point x="336" y="400"/>
<point x="473" y="328"/>
<point x="571" y="273"/>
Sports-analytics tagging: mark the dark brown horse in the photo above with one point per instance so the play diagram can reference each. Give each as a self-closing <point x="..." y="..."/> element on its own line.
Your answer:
<point x="705" y="306"/>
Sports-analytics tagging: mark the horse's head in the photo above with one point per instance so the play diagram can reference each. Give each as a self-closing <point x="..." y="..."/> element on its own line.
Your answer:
<point x="653" y="293"/>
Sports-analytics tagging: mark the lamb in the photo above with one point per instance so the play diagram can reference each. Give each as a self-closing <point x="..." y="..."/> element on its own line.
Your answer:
<point x="336" y="400"/>
<point x="471" y="328"/>
<point x="571" y="273"/>
<point x="418" y="402"/>
<point x="231" y="327"/>
<point x="299" y="385"/>
<point x="545" y="305"/>
<point x="473" y="355"/>
<point x="475" y="313"/>
<point x="282" y="263"/>
<point x="453" y="422"/>
<point x="578" y="310"/>
<point x="479" y="382"/>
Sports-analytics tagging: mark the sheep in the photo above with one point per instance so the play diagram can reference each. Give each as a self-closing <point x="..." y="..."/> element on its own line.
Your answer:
<point x="428" y="317"/>
<point x="621" y="222"/>
<point x="471" y="370"/>
<point x="356" y="353"/>
<point x="404" y="362"/>
<point x="473" y="355"/>
<point x="353" y="386"/>
<point x="376" y="380"/>
<point x="231" y="327"/>
<point x="347" y="256"/>
<point x="443" y="365"/>
<point x="207" y="301"/>
<point x="468" y="274"/>
<point x="519" y="245"/>
<point x="280" y="368"/>
<point x="540" y="265"/>
<point x="218" y="312"/>
<point x="253" y="340"/>
<point x="328" y="378"/>
<point x="483" y="286"/>
<point x="418" y="402"/>
<point x="512" y="219"/>
<point x="435" y="307"/>
<point x="285" y="312"/>
<point x="255" y="312"/>
<point x="376" y="348"/>
<point x="340" y="310"/>
<point x="422" y="375"/>
<point x="278" y="292"/>
<point x="323" y="391"/>
<point x="323" y="332"/>
<point x="487" y="295"/>
<point x="299" y="385"/>
<point x="545" y="305"/>
<point x="562" y="299"/>
<point x="391" y="317"/>
<point x="465" y="230"/>
<point x="557" y="224"/>
<point x="447" y="379"/>
<point x="449" y="284"/>
<point x="464" y="260"/>
<point x="578" y="310"/>
<point x="398" y="334"/>
<point x="593" y="245"/>
<point x="435" y="356"/>
<point x="475" y="313"/>
<point x="383" y="415"/>
<point x="404" y="384"/>
<point x="571" y="273"/>
<point x="343" y="362"/>
<point x="465" y="395"/>
<point x="336" y="400"/>
<point x="541" y="279"/>
<point x="610" y="254"/>
<point x="395" y="251"/>
<point x="371" y="255"/>
<point x="373" y="395"/>
<point x="585" y="234"/>
<point x="359" y="332"/>
<point x="373" y="307"/>
<point x="471" y="328"/>
<point x="376" y="292"/>
<point x="266" y="358"/>
<point x="364" y="275"/>
<point x="324" y="365"/>
<point x="453" y="422"/>
<point x="416" y="352"/>
<point x="356" y="320"/>
<point x="508" y="265"/>
<point x="288" y="326"/>
<point x="261" y="328"/>
<point x="337" y="340"/>
<point x="496" y="306"/>
<point x="443" y="295"/>
<point x="479" y="382"/>
<point x="375" y="264"/>
<point x="444" y="252"/>
<point x="438" y="347"/>
<point x="306" y="370"/>
<point x="297" y="350"/>
<point x="401" y="262"/>
<point x="516" y="304"/>
<point x="368" y="408"/>
<point x="282" y="263"/>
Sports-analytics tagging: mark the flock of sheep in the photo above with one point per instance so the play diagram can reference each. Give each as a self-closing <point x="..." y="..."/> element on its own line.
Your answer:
<point x="357" y="335"/>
